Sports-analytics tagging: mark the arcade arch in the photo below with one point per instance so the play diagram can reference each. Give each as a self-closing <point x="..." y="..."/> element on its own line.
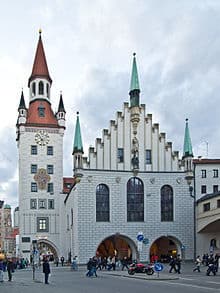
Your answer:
<point x="47" y="248"/>
<point x="118" y="245"/>
<point x="166" y="246"/>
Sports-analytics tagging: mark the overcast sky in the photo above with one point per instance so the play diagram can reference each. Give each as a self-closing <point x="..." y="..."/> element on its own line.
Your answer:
<point x="89" y="47"/>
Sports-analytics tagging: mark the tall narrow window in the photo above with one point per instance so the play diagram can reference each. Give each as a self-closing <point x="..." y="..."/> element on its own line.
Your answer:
<point x="41" y="88"/>
<point x="33" y="187"/>
<point x="34" y="150"/>
<point x="33" y="168"/>
<point x="135" y="200"/>
<point x="166" y="203"/>
<point x="50" y="151"/>
<point x="203" y="189"/>
<point x="41" y="110"/>
<point x="203" y="172"/>
<point x="120" y="155"/>
<point x="33" y="203"/>
<point x="148" y="157"/>
<point x="51" y="204"/>
<point x="34" y="88"/>
<point x="215" y="173"/>
<point x="47" y="90"/>
<point x="50" y="187"/>
<point x="50" y="169"/>
<point x="102" y="203"/>
<point x="215" y="188"/>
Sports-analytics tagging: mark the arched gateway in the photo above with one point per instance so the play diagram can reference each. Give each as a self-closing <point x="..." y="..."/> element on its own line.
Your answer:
<point x="166" y="246"/>
<point x="47" y="248"/>
<point x="118" y="245"/>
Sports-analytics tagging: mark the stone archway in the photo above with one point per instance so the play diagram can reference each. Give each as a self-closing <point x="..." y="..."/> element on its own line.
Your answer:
<point x="47" y="248"/>
<point x="164" y="247"/>
<point x="118" y="245"/>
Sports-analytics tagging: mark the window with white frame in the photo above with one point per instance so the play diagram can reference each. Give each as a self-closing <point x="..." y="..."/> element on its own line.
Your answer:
<point x="42" y="224"/>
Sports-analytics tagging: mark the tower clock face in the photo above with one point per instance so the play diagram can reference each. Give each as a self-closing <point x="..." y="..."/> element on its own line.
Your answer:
<point x="42" y="137"/>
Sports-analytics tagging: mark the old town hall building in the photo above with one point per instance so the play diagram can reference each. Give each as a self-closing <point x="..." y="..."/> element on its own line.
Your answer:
<point x="128" y="197"/>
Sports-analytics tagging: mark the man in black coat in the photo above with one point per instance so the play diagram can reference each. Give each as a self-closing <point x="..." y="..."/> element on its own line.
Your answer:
<point x="46" y="270"/>
<point x="10" y="269"/>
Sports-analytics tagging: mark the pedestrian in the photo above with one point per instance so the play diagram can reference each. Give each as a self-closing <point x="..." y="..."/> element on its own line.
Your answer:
<point x="104" y="263"/>
<point x="113" y="263"/>
<point x="124" y="263"/>
<point x="172" y="264"/>
<point x="217" y="262"/>
<point x="99" y="263"/>
<point x="211" y="266"/>
<point x="1" y="271"/>
<point x="10" y="269"/>
<point x="89" y="268"/>
<point x="94" y="266"/>
<point x="178" y="264"/>
<point x="75" y="263"/>
<point x="198" y="264"/>
<point x="46" y="270"/>
<point x="62" y="260"/>
<point x="57" y="261"/>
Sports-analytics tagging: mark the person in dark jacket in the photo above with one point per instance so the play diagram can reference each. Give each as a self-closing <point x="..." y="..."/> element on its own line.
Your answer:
<point x="10" y="269"/>
<point x="172" y="264"/>
<point x="46" y="270"/>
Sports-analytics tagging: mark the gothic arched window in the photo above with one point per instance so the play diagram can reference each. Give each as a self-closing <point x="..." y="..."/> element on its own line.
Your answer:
<point x="41" y="88"/>
<point x="102" y="203"/>
<point x="135" y="200"/>
<point x="166" y="203"/>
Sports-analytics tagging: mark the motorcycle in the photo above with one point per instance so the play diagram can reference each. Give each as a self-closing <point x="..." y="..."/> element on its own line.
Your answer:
<point x="141" y="268"/>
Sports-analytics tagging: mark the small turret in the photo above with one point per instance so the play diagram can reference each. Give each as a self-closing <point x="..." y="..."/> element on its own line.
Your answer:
<point x="61" y="113"/>
<point x="77" y="149"/>
<point x="188" y="155"/>
<point x="22" y="110"/>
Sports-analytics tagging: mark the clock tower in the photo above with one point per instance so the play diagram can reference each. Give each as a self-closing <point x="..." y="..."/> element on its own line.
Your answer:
<point x="40" y="134"/>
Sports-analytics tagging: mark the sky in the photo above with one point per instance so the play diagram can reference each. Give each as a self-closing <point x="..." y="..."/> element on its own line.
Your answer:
<point x="89" y="47"/>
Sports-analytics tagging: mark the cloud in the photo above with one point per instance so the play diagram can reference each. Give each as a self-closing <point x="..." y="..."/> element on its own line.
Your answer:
<point x="89" y="48"/>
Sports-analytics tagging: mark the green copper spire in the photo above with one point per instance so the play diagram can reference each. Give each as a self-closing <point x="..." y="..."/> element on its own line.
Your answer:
<point x="78" y="146"/>
<point x="134" y="76"/>
<point x="134" y="86"/>
<point x="187" y="148"/>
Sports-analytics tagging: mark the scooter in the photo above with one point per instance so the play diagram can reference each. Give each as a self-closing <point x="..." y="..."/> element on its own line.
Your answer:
<point x="141" y="268"/>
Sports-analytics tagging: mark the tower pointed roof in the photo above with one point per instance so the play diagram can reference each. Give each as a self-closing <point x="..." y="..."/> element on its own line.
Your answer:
<point x="40" y="68"/>
<point x="134" y="86"/>
<point x="61" y="105"/>
<point x="134" y="75"/>
<point x="187" y="147"/>
<point x="22" y="102"/>
<point x="77" y="146"/>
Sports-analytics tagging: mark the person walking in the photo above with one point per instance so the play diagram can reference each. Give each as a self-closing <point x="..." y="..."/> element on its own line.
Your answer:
<point x="62" y="260"/>
<point x="198" y="264"/>
<point x="172" y="264"/>
<point x="10" y="269"/>
<point x="46" y="270"/>
<point x="57" y="261"/>
<point x="1" y="271"/>
<point x="178" y="264"/>
<point x="124" y="263"/>
<point x="89" y="267"/>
